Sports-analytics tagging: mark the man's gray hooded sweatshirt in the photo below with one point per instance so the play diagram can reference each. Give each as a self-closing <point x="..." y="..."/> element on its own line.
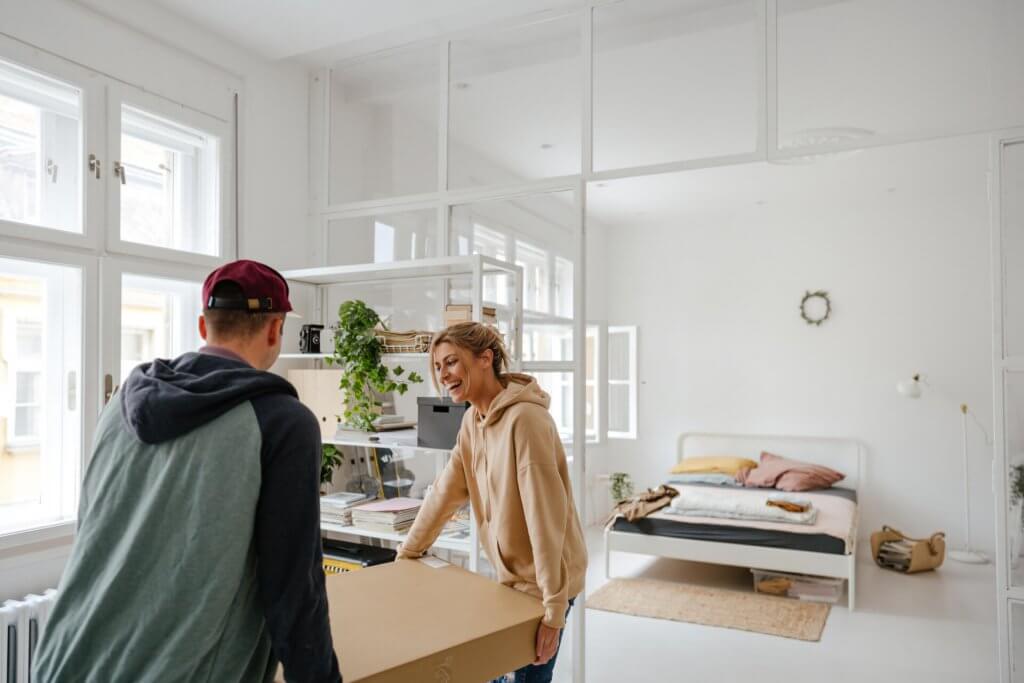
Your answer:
<point x="198" y="551"/>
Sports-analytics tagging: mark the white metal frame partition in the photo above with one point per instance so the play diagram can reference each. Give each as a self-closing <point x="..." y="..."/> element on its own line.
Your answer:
<point x="444" y="199"/>
<point x="1002" y="364"/>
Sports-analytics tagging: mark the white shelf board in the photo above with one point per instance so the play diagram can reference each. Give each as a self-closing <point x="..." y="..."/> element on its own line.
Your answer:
<point x="400" y="439"/>
<point x="364" y="273"/>
<point x="460" y="545"/>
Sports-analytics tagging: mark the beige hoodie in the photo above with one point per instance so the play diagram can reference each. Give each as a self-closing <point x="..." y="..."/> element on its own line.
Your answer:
<point x="511" y="466"/>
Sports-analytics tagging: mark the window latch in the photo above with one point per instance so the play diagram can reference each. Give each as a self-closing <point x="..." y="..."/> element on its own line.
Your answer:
<point x="120" y="172"/>
<point x="108" y="388"/>
<point x="51" y="170"/>
<point x="94" y="165"/>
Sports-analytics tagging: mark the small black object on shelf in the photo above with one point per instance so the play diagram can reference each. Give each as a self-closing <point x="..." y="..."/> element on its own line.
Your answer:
<point x="309" y="338"/>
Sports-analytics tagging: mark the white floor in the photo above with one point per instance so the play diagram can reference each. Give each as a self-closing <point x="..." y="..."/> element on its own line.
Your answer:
<point x="937" y="627"/>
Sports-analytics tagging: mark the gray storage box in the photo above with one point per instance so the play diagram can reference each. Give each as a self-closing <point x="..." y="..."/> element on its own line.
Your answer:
<point x="438" y="421"/>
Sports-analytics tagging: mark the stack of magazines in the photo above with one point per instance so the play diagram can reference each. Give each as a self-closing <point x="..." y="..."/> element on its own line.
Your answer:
<point x="391" y="514"/>
<point x="895" y="555"/>
<point x="337" y="507"/>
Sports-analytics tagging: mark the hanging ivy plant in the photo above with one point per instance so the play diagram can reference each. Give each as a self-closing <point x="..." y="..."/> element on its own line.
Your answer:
<point x="330" y="458"/>
<point x="357" y="353"/>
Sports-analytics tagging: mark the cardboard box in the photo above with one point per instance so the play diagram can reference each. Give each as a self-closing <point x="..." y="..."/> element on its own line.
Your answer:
<point x="407" y="621"/>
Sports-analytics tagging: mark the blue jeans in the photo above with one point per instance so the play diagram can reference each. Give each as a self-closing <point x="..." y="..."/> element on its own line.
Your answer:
<point x="540" y="673"/>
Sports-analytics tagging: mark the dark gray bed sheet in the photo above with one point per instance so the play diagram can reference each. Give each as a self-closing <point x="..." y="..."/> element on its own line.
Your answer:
<point x="720" y="533"/>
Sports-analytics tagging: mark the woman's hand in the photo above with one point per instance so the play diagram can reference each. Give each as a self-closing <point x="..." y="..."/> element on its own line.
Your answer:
<point x="547" y="643"/>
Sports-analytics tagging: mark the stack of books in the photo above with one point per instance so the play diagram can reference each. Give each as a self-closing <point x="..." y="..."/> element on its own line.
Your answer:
<point x="461" y="313"/>
<point x="895" y="555"/>
<point x="337" y="507"/>
<point x="389" y="515"/>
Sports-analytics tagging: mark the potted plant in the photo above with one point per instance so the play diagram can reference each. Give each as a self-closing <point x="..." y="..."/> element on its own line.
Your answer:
<point x="1016" y="517"/>
<point x="621" y="486"/>
<point x="357" y="353"/>
<point x="330" y="458"/>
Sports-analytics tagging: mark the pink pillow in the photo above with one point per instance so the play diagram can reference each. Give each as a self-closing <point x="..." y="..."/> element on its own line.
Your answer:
<point x="788" y="475"/>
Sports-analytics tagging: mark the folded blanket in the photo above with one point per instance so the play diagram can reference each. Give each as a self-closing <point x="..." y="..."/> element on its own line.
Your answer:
<point x="727" y="504"/>
<point x="703" y="478"/>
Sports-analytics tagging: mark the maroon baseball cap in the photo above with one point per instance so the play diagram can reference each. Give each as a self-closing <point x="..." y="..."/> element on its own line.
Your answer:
<point x="264" y="290"/>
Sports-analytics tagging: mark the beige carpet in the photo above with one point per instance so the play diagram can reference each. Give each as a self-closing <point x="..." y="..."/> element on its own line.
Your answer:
<point x="712" y="607"/>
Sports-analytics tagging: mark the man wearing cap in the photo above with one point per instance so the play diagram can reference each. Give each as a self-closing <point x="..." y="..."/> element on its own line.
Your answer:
<point x="197" y="556"/>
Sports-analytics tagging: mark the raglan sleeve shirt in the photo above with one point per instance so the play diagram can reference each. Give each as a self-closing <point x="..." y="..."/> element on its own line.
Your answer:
<point x="288" y="546"/>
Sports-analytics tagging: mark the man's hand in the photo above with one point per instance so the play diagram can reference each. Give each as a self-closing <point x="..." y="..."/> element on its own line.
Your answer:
<point x="547" y="643"/>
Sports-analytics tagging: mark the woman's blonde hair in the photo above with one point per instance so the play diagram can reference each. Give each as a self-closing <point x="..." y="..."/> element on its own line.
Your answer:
<point x="475" y="338"/>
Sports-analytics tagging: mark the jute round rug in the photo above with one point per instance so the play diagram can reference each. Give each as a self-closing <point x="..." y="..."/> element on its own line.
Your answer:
<point x="755" y="612"/>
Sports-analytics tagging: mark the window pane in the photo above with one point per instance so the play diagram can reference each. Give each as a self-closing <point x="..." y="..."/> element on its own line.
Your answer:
<point x="40" y="150"/>
<point x="536" y="277"/>
<point x="618" y="357"/>
<point x="30" y="338"/>
<point x="534" y="232"/>
<point x="906" y="68"/>
<point x="171" y="194"/>
<point x="159" y="319"/>
<point x="28" y="387"/>
<point x="674" y="80"/>
<point x="384" y="238"/>
<point x="514" y="104"/>
<point x="1012" y="209"/>
<point x="384" y="126"/>
<point x="1014" y="426"/>
<point x="40" y="427"/>
<point x="618" y="408"/>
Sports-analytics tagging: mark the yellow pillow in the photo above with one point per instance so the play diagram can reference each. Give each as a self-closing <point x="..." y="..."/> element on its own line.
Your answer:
<point x="716" y="464"/>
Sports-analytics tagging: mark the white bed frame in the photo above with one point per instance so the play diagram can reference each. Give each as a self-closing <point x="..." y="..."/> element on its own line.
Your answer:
<point x="844" y="455"/>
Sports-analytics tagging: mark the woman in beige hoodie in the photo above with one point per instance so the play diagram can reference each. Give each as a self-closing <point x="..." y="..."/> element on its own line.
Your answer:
<point x="509" y="463"/>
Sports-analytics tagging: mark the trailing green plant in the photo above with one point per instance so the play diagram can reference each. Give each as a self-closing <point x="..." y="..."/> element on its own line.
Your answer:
<point x="330" y="458"/>
<point x="621" y="486"/>
<point x="357" y="353"/>
<point x="1016" y="484"/>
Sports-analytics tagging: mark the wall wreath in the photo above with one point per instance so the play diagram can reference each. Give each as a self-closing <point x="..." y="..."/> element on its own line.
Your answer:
<point x="815" y="307"/>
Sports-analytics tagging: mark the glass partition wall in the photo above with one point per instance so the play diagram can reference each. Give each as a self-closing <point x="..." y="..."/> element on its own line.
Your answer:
<point x="489" y="141"/>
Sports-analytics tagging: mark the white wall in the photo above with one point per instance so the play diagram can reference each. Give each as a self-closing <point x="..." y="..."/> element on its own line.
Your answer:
<point x="204" y="74"/>
<point x="713" y="277"/>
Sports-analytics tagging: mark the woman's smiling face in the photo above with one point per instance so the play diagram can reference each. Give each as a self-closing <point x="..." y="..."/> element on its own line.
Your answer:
<point x="452" y="372"/>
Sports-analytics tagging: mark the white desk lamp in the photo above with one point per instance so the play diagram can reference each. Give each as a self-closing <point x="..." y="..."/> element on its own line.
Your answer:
<point x="911" y="388"/>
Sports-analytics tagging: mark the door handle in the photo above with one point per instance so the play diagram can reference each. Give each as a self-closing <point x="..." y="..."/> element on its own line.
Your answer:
<point x="119" y="171"/>
<point x="94" y="165"/>
<point x="108" y="388"/>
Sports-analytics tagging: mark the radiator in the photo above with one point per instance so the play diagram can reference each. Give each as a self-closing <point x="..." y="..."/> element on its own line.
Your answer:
<point x="21" y="623"/>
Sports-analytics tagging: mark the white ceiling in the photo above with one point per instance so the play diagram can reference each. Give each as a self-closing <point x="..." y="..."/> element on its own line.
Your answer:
<point x="276" y="29"/>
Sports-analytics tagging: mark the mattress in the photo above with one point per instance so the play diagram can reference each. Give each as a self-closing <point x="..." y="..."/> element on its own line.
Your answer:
<point x="767" y="538"/>
<point x="834" y="516"/>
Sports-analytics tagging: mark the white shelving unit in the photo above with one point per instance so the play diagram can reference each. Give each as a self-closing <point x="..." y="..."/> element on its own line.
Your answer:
<point x="403" y="443"/>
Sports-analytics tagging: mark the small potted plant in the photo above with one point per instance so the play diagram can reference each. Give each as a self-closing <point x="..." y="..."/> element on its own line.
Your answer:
<point x="357" y="353"/>
<point x="330" y="458"/>
<point x="621" y="486"/>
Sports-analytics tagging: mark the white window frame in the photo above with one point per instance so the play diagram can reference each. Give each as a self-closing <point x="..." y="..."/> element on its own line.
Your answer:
<point x="632" y="382"/>
<point x="92" y="140"/>
<point x="84" y="404"/>
<point x="126" y="96"/>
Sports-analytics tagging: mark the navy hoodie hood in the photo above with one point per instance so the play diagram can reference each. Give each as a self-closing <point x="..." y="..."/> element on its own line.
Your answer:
<point x="167" y="398"/>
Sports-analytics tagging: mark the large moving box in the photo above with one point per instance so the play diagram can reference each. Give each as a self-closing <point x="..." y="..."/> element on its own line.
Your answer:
<point x="409" y="621"/>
